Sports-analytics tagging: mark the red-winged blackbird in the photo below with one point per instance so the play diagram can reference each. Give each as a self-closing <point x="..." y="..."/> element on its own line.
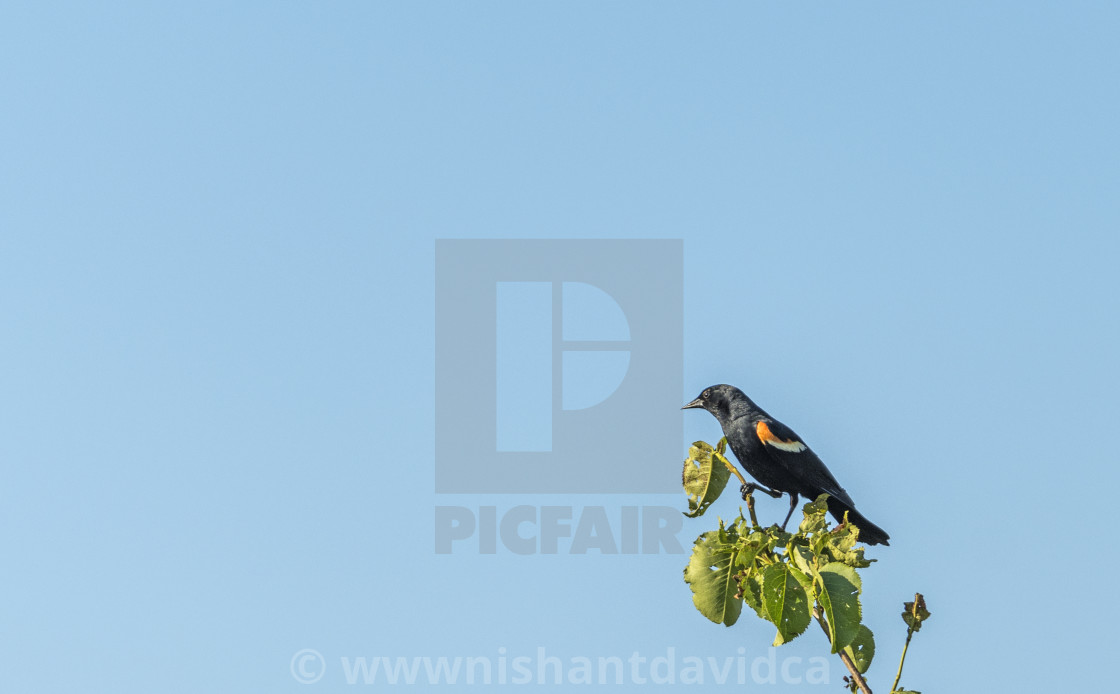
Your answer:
<point x="778" y="459"/>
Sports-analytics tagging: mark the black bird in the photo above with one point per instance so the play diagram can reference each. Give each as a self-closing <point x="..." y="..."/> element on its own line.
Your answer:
<point x="778" y="459"/>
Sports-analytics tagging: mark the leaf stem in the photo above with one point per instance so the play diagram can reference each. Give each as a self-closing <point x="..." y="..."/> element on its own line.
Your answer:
<point x="856" y="674"/>
<point x="733" y="469"/>
<point x="749" y="498"/>
<point x="909" y="633"/>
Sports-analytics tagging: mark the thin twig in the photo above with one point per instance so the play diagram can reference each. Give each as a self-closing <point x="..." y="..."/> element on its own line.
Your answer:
<point x="897" y="677"/>
<point x="909" y="633"/>
<point x="750" y="511"/>
<point x="856" y="675"/>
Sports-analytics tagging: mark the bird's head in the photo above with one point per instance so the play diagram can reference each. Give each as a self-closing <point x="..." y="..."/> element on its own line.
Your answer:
<point x="723" y="401"/>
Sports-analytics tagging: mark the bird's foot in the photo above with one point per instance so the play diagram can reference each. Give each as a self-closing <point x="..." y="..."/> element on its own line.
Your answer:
<point x="747" y="489"/>
<point x="750" y="488"/>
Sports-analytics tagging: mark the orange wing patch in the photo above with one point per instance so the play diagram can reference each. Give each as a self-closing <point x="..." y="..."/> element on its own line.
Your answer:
<point x="768" y="438"/>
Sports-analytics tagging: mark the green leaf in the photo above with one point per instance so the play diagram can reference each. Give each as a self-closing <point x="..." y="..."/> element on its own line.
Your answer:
<point x="815" y="523"/>
<point x="805" y="580"/>
<point x="839" y="597"/>
<point x="785" y="602"/>
<point x="751" y="588"/>
<point x="816" y="507"/>
<point x="704" y="478"/>
<point x="776" y="537"/>
<point x="803" y="559"/>
<point x="841" y="546"/>
<point x="862" y="648"/>
<point x="710" y="574"/>
<point x="914" y="613"/>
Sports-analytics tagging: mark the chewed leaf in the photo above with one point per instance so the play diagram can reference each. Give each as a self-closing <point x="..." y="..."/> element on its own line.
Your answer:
<point x="704" y="478"/>
<point x="862" y="648"/>
<point x="914" y="613"/>
<point x="711" y="576"/>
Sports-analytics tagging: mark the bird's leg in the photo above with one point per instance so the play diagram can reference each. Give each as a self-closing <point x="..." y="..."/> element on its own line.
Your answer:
<point x="750" y="487"/>
<point x="792" y="505"/>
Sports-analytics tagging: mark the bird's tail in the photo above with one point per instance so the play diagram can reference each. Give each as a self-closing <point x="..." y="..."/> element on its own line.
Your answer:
<point x="869" y="533"/>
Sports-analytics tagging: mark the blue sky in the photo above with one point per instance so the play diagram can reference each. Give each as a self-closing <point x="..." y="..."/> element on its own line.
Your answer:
<point x="217" y="230"/>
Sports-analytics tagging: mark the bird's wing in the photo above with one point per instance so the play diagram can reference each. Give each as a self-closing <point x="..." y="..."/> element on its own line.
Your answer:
<point x="788" y="450"/>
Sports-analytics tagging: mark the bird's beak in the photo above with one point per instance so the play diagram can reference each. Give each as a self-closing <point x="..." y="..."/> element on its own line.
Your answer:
<point x="693" y="405"/>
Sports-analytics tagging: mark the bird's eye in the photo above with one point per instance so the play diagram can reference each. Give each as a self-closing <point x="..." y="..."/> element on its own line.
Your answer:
<point x="707" y="393"/>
